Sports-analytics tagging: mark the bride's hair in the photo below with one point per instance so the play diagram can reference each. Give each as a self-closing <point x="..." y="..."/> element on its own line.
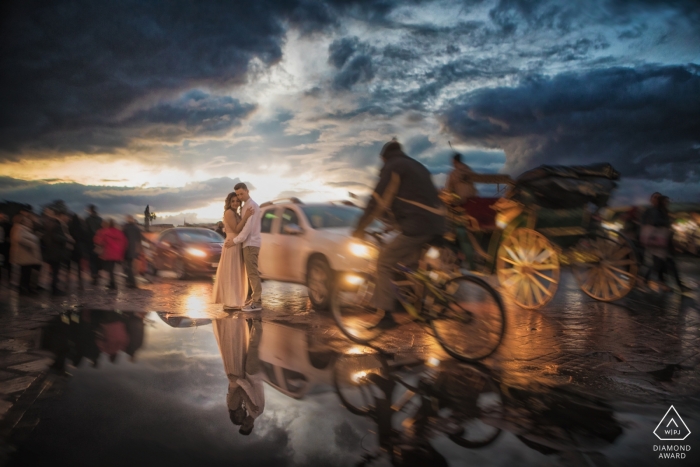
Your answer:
<point x="229" y="200"/>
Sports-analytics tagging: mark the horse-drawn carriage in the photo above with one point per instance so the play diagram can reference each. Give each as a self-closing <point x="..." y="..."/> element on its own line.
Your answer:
<point x="546" y="218"/>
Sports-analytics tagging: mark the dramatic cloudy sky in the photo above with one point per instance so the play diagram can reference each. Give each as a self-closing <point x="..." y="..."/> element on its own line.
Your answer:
<point x="171" y="102"/>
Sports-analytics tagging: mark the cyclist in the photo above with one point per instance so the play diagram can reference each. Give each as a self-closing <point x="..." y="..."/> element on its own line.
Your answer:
<point x="406" y="189"/>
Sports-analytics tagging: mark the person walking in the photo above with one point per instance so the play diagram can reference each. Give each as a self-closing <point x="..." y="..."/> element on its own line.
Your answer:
<point x="670" y="265"/>
<point x="251" y="240"/>
<point x="231" y="281"/>
<point x="111" y="244"/>
<point x="134" y="249"/>
<point x="78" y="231"/>
<point x="93" y="223"/>
<point x="655" y="236"/>
<point x="55" y="247"/>
<point x="25" y="252"/>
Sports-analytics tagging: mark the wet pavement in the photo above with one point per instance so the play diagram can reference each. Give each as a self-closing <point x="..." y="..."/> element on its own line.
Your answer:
<point x="576" y="383"/>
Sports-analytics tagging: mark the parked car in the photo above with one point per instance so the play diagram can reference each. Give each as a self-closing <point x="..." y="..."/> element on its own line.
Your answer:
<point x="311" y="244"/>
<point x="187" y="251"/>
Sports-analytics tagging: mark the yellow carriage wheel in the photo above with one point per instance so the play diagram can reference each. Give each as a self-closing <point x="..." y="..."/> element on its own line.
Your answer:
<point x="605" y="267"/>
<point x="528" y="268"/>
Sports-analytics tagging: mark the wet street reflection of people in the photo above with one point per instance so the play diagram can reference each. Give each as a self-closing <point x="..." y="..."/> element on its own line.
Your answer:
<point x="86" y="334"/>
<point x="238" y="341"/>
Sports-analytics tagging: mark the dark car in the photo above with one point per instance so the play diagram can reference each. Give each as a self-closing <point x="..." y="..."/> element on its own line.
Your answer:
<point x="187" y="251"/>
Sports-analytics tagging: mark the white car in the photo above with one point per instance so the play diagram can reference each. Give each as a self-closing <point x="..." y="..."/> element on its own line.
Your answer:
<point x="311" y="244"/>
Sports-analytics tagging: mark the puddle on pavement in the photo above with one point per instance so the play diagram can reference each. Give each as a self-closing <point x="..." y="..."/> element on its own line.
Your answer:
<point x="153" y="389"/>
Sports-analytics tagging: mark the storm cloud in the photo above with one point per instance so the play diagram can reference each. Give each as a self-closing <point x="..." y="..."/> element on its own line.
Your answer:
<point x="645" y="121"/>
<point x="73" y="72"/>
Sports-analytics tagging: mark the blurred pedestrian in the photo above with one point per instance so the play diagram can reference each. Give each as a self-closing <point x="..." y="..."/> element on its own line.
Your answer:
<point x="93" y="223"/>
<point x="5" y="241"/>
<point x="25" y="252"/>
<point x="134" y="249"/>
<point x="220" y="229"/>
<point x="65" y="218"/>
<point x="55" y="247"/>
<point x="654" y="236"/>
<point x="81" y="247"/>
<point x="111" y="244"/>
<point x="670" y="263"/>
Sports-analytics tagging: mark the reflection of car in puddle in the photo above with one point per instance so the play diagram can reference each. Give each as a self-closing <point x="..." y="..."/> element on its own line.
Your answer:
<point x="415" y="403"/>
<point x="289" y="363"/>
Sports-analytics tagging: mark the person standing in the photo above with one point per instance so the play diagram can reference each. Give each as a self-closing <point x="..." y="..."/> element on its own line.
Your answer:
<point x="406" y="188"/>
<point x="134" y="249"/>
<point x="654" y="238"/>
<point x="55" y="247"/>
<point x="220" y="228"/>
<point x="251" y="240"/>
<point x="93" y="223"/>
<point x="459" y="182"/>
<point x="231" y="281"/>
<point x="25" y="252"/>
<point x="77" y="230"/>
<point x="112" y="243"/>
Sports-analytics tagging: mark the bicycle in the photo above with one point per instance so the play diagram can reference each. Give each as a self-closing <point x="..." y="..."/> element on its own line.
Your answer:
<point x="466" y="314"/>
<point x="410" y="409"/>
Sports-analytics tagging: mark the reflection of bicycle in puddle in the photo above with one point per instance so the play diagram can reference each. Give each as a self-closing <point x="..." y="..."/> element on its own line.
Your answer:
<point x="411" y="409"/>
<point x="414" y="403"/>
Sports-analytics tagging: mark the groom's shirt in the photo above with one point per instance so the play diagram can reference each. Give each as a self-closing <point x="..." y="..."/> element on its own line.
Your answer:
<point x="250" y="235"/>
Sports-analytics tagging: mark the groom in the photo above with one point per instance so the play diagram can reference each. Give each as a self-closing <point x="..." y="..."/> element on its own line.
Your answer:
<point x="250" y="238"/>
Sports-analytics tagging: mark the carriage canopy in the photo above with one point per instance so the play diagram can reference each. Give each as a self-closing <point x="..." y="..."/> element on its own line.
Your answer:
<point x="566" y="187"/>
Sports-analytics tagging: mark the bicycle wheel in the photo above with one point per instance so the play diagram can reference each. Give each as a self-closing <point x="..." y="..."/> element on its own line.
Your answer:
<point x="356" y="389"/>
<point x="471" y="327"/>
<point x="474" y="399"/>
<point x="354" y="314"/>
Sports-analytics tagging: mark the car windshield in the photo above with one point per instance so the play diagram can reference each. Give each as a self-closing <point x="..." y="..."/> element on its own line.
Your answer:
<point x="329" y="217"/>
<point x="200" y="236"/>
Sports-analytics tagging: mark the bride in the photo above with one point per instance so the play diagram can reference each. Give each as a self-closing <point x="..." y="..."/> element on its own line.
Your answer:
<point x="231" y="283"/>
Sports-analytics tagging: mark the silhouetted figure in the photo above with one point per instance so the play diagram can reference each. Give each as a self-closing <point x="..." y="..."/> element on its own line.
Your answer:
<point x="93" y="223"/>
<point x="78" y="230"/>
<point x="55" y="247"/>
<point x="5" y="241"/>
<point x="134" y="249"/>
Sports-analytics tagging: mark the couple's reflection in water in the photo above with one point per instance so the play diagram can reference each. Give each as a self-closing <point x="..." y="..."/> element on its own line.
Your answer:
<point x="411" y="401"/>
<point x="421" y="410"/>
<point x="239" y="341"/>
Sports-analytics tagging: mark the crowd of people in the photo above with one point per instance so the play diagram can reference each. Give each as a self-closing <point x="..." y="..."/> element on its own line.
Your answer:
<point x="58" y="240"/>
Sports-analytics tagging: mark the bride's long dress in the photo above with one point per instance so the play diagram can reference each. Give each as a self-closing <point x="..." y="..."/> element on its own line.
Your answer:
<point x="231" y="282"/>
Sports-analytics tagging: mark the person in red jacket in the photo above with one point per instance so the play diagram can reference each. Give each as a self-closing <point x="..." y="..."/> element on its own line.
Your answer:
<point x="110" y="244"/>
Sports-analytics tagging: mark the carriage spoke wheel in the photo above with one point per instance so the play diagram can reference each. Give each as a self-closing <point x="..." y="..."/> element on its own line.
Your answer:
<point x="606" y="268"/>
<point x="528" y="268"/>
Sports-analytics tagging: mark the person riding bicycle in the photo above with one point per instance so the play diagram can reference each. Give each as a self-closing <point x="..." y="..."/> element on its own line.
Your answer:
<point x="407" y="190"/>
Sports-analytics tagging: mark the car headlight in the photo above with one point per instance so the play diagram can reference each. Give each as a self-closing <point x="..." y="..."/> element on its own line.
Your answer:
<point x="362" y="250"/>
<point x="197" y="252"/>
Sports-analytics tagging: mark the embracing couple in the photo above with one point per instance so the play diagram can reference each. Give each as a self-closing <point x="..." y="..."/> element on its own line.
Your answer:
<point x="238" y="266"/>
